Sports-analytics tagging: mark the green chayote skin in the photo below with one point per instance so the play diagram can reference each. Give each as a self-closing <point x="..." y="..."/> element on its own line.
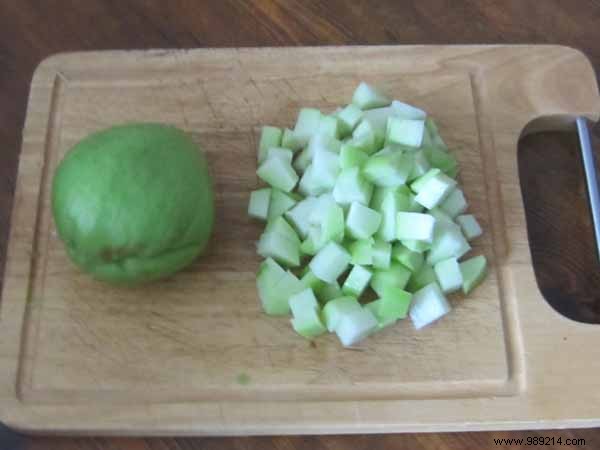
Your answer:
<point x="133" y="203"/>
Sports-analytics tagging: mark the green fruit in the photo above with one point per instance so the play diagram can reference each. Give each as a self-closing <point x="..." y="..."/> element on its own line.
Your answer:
<point x="133" y="203"/>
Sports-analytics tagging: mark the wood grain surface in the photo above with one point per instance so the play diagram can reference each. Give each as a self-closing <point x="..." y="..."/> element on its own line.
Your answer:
<point x="166" y="357"/>
<point x="31" y="30"/>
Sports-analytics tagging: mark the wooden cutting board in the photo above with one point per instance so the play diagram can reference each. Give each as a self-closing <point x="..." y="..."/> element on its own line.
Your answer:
<point x="194" y="354"/>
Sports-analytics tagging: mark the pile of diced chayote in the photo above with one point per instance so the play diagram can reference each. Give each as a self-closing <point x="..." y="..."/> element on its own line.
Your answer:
<point x="363" y="198"/>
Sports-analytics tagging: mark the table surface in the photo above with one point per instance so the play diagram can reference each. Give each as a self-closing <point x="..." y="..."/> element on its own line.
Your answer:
<point x="558" y="218"/>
